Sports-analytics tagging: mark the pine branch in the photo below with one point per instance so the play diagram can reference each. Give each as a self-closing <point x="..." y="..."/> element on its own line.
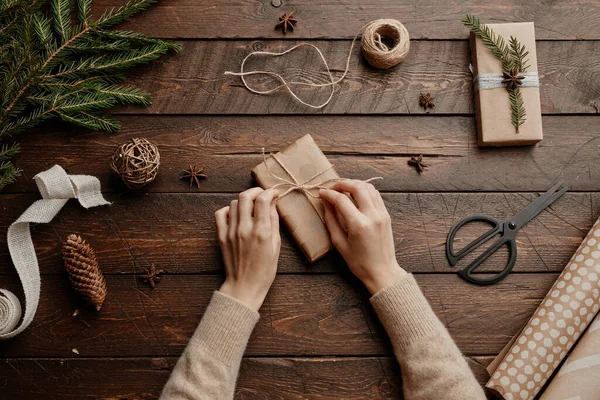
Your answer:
<point x="116" y="16"/>
<point x="53" y="66"/>
<point x="517" y="107"/>
<point x="8" y="173"/>
<point x="7" y="152"/>
<point x="61" y="13"/>
<point x="89" y="121"/>
<point x="30" y="120"/>
<point x="87" y="102"/>
<point x="137" y="38"/>
<point x="493" y="42"/>
<point x="84" y="11"/>
<point x="123" y="60"/>
<point x="518" y="55"/>
<point x="126" y="94"/>
<point x="43" y="29"/>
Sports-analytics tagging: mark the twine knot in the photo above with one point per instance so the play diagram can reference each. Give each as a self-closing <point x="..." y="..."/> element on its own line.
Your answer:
<point x="304" y="187"/>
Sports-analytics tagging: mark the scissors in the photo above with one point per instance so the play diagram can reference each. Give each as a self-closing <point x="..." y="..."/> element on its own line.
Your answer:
<point x="507" y="230"/>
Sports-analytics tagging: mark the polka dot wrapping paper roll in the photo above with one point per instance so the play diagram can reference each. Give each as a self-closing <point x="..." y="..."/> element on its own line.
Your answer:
<point x="578" y="377"/>
<point x="561" y="318"/>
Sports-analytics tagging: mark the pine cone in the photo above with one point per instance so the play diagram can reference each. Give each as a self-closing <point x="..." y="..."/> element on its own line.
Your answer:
<point x="84" y="272"/>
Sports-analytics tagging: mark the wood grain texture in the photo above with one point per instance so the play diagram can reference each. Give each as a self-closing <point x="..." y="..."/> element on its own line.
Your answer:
<point x="303" y="315"/>
<point x="192" y="82"/>
<point x="426" y="19"/>
<point x="358" y="146"/>
<point x="177" y="232"/>
<point x="260" y="378"/>
<point x="318" y="337"/>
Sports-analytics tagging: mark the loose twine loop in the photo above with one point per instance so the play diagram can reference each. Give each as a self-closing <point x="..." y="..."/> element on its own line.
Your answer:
<point x="136" y="162"/>
<point x="303" y="187"/>
<point x="377" y="53"/>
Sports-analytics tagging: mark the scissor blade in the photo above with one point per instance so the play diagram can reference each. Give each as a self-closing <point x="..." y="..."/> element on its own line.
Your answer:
<point x="534" y="208"/>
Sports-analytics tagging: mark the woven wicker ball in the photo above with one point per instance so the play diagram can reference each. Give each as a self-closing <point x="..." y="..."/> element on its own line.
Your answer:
<point x="136" y="162"/>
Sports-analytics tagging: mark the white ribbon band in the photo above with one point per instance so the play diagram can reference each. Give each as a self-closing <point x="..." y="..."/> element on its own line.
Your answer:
<point x="56" y="188"/>
<point x="493" y="81"/>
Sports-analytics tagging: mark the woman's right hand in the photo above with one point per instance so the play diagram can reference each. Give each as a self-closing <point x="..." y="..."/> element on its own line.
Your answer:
<point x="249" y="237"/>
<point x="362" y="233"/>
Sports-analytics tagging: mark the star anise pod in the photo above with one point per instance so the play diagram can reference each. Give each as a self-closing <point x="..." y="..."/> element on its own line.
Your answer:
<point x="426" y="101"/>
<point x="152" y="276"/>
<point x="286" y="21"/>
<point x="194" y="175"/>
<point x="417" y="162"/>
<point x="512" y="79"/>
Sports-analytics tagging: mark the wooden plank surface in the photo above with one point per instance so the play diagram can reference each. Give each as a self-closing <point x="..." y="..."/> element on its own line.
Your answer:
<point x="426" y="19"/>
<point x="358" y="146"/>
<point x="143" y="378"/>
<point x="303" y="315"/>
<point x="317" y="337"/>
<point x="192" y="82"/>
<point x="177" y="232"/>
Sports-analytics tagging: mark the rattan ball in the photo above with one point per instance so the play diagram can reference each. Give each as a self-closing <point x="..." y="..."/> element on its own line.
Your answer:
<point x="136" y="162"/>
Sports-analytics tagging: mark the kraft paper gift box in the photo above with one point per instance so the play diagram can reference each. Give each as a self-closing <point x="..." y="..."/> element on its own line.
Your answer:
<point x="302" y="213"/>
<point x="492" y="106"/>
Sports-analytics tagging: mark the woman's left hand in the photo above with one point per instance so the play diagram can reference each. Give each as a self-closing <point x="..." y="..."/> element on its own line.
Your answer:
<point x="248" y="231"/>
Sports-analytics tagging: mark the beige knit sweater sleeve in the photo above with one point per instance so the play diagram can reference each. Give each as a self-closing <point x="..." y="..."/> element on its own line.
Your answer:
<point x="209" y="365"/>
<point x="432" y="366"/>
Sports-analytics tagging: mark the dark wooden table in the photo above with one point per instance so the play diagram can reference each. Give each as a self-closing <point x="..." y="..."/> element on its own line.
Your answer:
<point x="318" y="336"/>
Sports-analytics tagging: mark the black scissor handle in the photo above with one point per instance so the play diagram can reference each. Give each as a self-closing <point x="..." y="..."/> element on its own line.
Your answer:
<point x="508" y="235"/>
<point x="467" y="275"/>
<point x="496" y="229"/>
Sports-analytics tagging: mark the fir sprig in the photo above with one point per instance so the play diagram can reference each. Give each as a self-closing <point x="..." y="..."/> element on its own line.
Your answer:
<point x="53" y="65"/>
<point x="513" y="58"/>
<point x="8" y="172"/>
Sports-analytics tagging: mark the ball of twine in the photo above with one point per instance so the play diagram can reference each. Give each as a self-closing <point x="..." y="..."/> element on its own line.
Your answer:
<point x="136" y="162"/>
<point x="377" y="53"/>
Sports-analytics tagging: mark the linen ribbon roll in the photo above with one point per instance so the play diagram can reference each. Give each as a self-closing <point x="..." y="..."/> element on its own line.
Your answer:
<point x="568" y="308"/>
<point x="56" y="188"/>
<point x="577" y="378"/>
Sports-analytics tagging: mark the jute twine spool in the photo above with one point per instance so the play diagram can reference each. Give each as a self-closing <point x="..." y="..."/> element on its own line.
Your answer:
<point x="136" y="162"/>
<point x="376" y="52"/>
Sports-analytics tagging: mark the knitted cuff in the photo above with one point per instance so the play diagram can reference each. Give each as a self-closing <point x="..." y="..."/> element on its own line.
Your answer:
<point x="225" y="328"/>
<point x="405" y="312"/>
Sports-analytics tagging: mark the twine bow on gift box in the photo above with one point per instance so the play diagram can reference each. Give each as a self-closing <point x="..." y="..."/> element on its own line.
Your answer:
<point x="305" y="186"/>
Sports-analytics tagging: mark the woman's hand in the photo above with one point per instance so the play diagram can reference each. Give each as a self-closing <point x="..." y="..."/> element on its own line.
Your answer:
<point x="249" y="237"/>
<point x="362" y="233"/>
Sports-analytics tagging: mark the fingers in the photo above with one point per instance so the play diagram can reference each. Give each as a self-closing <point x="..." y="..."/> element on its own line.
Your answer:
<point x="246" y="206"/>
<point x="360" y="191"/>
<point x="233" y="220"/>
<point x="262" y="208"/>
<point x="222" y="225"/>
<point x="275" y="219"/>
<point x="377" y="200"/>
<point x="336" y="231"/>
<point x="343" y="205"/>
<point x="221" y="217"/>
